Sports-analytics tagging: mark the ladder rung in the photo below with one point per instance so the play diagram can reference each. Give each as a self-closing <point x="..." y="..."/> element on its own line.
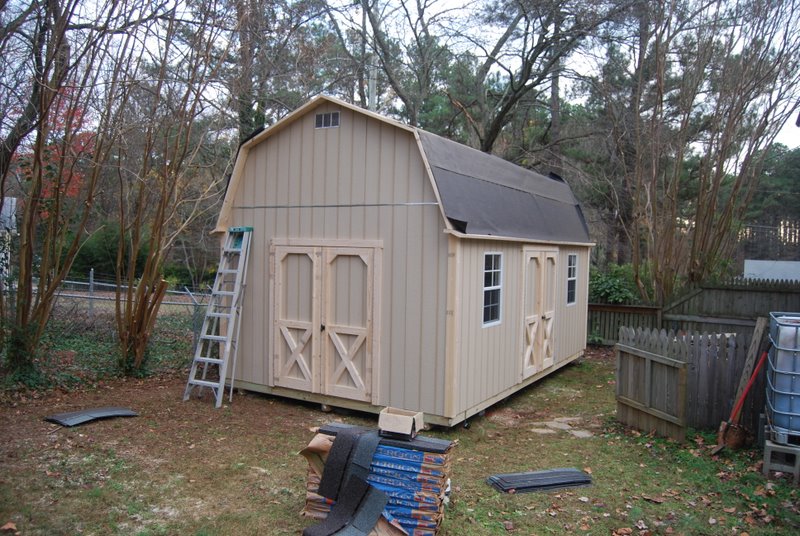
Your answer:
<point x="204" y="383"/>
<point x="220" y="315"/>
<point x="214" y="337"/>
<point x="232" y="250"/>
<point x="222" y="293"/>
<point x="210" y="360"/>
<point x="227" y="271"/>
<point x="218" y="295"/>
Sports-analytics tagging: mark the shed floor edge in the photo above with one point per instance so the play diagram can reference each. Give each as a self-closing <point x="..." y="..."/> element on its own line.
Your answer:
<point x="489" y="402"/>
<point x="368" y="407"/>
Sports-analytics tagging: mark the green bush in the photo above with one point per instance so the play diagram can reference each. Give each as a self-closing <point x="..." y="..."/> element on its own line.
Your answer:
<point x="179" y="276"/>
<point x="615" y="285"/>
<point x="99" y="251"/>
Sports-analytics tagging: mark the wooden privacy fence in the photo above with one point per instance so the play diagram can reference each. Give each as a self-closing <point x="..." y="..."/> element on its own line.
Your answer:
<point x="605" y="320"/>
<point x="668" y="382"/>
<point x="728" y="307"/>
<point x="731" y="306"/>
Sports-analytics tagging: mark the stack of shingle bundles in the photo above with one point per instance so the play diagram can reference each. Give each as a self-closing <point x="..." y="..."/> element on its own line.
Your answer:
<point x="413" y="474"/>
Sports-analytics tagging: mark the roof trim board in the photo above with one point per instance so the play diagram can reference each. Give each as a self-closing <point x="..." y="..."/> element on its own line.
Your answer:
<point x="461" y="235"/>
<point x="315" y="103"/>
<point x="448" y="225"/>
<point x="223" y="220"/>
<point x="74" y="418"/>
<point x="227" y="204"/>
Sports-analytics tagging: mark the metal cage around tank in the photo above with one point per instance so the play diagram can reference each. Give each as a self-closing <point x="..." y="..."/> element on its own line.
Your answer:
<point x="783" y="378"/>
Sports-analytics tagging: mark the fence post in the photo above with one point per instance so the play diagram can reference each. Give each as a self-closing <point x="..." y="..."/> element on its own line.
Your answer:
<point x="91" y="294"/>
<point x="196" y="326"/>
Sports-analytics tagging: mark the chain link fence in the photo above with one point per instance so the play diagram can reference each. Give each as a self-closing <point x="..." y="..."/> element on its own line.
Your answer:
<point x="91" y="302"/>
<point x="80" y="341"/>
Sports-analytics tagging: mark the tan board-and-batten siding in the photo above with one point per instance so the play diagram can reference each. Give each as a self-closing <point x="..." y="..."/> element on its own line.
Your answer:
<point x="489" y="359"/>
<point x="363" y="181"/>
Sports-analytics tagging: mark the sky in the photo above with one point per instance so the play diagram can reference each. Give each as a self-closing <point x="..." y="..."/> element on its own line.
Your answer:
<point x="790" y="134"/>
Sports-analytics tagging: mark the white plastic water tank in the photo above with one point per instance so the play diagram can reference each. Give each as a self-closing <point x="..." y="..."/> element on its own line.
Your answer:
<point x="783" y="378"/>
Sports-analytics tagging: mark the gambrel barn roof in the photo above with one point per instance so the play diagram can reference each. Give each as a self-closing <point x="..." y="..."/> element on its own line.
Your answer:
<point x="481" y="195"/>
<point x="485" y="195"/>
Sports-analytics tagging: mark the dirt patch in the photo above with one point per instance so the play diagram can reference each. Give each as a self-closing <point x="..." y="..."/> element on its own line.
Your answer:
<point x="512" y="414"/>
<point x="185" y="457"/>
<point x="511" y="417"/>
<point x="600" y="353"/>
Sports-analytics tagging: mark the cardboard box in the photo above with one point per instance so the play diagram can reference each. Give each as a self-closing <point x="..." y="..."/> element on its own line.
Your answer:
<point x="399" y="423"/>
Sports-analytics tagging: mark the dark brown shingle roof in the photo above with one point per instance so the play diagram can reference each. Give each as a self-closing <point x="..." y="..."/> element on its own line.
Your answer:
<point x="485" y="195"/>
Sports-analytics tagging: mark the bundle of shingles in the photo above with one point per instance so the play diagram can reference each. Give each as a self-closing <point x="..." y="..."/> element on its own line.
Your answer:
<point x="546" y="480"/>
<point x="405" y="482"/>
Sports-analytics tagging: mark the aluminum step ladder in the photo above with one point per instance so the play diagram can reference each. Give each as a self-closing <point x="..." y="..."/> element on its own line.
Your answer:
<point x="219" y="335"/>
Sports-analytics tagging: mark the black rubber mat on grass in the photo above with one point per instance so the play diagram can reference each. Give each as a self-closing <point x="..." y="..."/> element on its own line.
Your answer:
<point x="75" y="418"/>
<point x="547" y="480"/>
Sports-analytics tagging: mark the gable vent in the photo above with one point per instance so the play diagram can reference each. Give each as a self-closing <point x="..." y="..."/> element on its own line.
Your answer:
<point x="327" y="120"/>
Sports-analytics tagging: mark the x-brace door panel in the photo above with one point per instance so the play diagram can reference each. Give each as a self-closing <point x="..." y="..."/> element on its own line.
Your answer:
<point x="531" y="314"/>
<point x="548" y="308"/>
<point x="347" y="319"/>
<point x="295" y="290"/>
<point x="538" y="309"/>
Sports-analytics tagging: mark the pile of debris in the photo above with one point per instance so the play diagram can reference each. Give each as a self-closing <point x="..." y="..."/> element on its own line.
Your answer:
<point x="361" y="482"/>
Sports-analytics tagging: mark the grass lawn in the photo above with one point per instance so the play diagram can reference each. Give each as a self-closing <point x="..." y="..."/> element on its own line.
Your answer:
<point x="186" y="468"/>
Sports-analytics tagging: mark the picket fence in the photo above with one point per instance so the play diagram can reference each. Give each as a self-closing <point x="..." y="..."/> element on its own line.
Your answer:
<point x="668" y="382"/>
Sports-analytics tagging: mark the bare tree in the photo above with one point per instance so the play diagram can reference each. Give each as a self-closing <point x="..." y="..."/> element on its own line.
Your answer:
<point x="55" y="100"/>
<point x="414" y="54"/>
<point x="486" y="58"/>
<point x="711" y="84"/>
<point x="536" y="37"/>
<point x="281" y="55"/>
<point x="163" y="181"/>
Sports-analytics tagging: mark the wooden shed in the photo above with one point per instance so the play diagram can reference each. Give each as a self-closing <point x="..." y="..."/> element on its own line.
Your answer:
<point x="392" y="267"/>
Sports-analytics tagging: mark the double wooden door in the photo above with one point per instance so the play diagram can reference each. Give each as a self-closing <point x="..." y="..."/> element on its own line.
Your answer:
<point x="323" y="303"/>
<point x="538" y="309"/>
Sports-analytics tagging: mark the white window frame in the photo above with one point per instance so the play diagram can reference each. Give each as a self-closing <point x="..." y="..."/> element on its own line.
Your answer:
<point x="498" y="286"/>
<point x="572" y="278"/>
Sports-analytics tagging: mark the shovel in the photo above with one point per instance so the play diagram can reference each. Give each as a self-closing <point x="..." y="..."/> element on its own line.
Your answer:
<point x="730" y="433"/>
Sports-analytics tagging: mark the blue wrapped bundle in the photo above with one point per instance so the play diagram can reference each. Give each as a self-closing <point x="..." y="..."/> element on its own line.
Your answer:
<point x="415" y="456"/>
<point x="409" y="496"/>
<point x="412" y="474"/>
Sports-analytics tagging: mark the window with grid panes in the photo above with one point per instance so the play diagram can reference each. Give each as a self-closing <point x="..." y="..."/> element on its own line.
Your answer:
<point x="572" y="278"/>
<point x="327" y="120"/>
<point x="492" y="288"/>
